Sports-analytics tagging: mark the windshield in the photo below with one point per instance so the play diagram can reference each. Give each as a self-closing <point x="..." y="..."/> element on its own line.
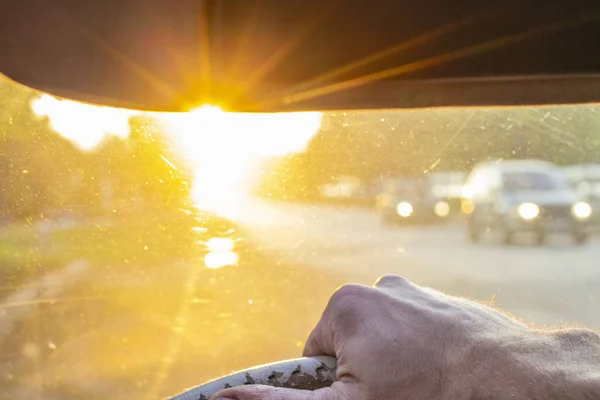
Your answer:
<point x="143" y="253"/>
<point x="532" y="181"/>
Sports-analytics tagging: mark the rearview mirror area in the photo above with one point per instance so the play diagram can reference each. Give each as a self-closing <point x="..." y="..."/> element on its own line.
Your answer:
<point x="292" y="55"/>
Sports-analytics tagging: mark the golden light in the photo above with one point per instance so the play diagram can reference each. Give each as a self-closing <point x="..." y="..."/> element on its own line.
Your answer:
<point x="467" y="207"/>
<point x="220" y="244"/>
<point x="85" y="125"/>
<point x="212" y="136"/>
<point x="223" y="147"/>
<point x="219" y="259"/>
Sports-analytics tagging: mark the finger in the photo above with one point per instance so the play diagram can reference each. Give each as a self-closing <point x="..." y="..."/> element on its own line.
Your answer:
<point x="411" y="294"/>
<point x="317" y="344"/>
<point x="262" y="392"/>
<point x="343" y="312"/>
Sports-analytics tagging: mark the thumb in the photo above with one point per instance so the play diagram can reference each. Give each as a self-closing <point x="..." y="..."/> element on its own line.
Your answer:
<point x="263" y="392"/>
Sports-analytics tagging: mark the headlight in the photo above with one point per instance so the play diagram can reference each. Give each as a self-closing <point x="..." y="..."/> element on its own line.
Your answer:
<point x="404" y="209"/>
<point x="528" y="211"/>
<point x="467" y="207"/>
<point x="441" y="209"/>
<point x="582" y="210"/>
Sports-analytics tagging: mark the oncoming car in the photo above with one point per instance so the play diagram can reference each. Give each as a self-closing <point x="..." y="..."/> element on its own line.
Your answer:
<point x="410" y="200"/>
<point x="508" y="198"/>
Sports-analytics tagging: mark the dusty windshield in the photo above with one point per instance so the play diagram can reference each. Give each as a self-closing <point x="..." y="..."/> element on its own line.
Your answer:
<point x="144" y="253"/>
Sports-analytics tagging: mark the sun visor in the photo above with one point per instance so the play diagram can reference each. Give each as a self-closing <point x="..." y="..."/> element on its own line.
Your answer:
<point x="285" y="55"/>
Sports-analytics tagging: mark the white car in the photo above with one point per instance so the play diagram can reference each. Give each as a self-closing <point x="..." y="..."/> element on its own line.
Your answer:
<point x="508" y="198"/>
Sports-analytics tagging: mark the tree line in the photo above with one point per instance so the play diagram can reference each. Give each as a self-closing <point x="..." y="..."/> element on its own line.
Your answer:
<point x="44" y="175"/>
<point x="374" y="144"/>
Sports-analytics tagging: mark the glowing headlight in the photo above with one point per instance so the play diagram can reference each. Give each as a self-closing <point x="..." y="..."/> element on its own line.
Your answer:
<point x="404" y="209"/>
<point x="220" y="244"/>
<point x="442" y="209"/>
<point x="582" y="210"/>
<point x="467" y="207"/>
<point x="528" y="211"/>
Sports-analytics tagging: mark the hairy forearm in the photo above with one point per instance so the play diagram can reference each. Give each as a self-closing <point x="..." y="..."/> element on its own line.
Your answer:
<point x="541" y="365"/>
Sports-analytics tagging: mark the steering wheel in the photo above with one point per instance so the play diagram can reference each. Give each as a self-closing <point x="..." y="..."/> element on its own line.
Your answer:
<point x="308" y="373"/>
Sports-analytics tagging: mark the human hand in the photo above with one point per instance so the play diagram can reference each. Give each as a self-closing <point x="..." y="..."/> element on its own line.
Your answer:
<point x="397" y="340"/>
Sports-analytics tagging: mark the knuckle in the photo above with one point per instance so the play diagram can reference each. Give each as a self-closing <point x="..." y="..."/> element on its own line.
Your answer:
<point x="395" y="281"/>
<point x="350" y="299"/>
<point x="349" y="292"/>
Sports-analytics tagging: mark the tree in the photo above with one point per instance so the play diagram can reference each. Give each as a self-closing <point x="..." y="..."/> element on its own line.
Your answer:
<point x="373" y="144"/>
<point x="43" y="174"/>
<point x="142" y="173"/>
<point x="35" y="162"/>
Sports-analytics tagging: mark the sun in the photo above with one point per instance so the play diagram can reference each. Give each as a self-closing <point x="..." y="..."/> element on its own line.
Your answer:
<point x="211" y="134"/>
<point x="223" y="147"/>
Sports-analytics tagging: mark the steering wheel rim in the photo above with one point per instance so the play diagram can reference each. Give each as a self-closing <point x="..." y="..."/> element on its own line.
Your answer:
<point x="307" y="373"/>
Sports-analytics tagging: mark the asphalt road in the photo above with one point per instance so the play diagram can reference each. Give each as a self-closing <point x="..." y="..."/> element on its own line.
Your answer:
<point x="148" y="331"/>
<point x="552" y="285"/>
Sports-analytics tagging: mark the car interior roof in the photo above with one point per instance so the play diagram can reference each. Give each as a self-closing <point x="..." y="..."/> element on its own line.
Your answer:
<point x="291" y="55"/>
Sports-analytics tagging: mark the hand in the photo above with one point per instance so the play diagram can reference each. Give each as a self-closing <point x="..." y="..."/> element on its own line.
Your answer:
<point x="397" y="340"/>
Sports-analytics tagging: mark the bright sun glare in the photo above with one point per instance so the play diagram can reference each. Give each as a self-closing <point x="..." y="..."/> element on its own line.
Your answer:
<point x="222" y="146"/>
<point x="83" y="124"/>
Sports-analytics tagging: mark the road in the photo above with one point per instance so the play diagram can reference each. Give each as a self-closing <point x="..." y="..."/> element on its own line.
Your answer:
<point x="551" y="285"/>
<point x="146" y="331"/>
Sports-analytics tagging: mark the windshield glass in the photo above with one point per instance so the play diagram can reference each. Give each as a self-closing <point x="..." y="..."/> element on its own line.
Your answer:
<point x="143" y="253"/>
<point x="534" y="181"/>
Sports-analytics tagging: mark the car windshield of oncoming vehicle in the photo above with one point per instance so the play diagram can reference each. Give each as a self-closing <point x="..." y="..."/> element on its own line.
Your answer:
<point x="541" y="181"/>
<point x="415" y="187"/>
<point x="410" y="188"/>
<point x="144" y="253"/>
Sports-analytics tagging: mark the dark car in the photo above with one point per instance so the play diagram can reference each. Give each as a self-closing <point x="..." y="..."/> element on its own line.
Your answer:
<point x="410" y="200"/>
